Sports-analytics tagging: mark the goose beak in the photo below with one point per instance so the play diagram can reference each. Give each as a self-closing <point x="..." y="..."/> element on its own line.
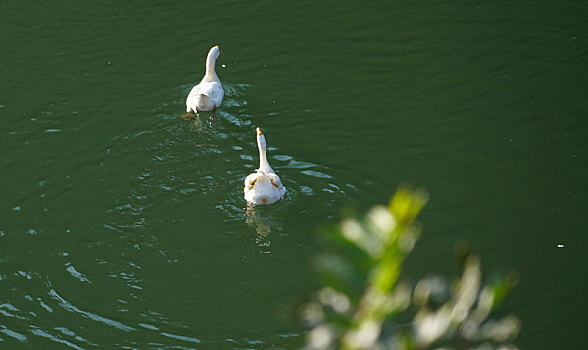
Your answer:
<point x="259" y="132"/>
<point x="219" y="50"/>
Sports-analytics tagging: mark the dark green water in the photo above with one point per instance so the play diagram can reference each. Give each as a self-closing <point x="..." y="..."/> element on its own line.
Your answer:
<point x="123" y="226"/>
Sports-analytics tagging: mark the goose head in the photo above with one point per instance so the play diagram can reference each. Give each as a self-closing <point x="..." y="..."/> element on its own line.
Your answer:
<point x="262" y="146"/>
<point x="214" y="52"/>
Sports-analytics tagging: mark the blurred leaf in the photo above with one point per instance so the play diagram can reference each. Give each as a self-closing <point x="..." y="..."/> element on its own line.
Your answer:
<point x="503" y="287"/>
<point x="362" y="292"/>
<point x="386" y="274"/>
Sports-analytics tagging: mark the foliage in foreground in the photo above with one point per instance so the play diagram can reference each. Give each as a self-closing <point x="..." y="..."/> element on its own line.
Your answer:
<point x="364" y="293"/>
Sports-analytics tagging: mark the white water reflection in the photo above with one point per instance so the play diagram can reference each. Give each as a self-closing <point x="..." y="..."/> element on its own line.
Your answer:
<point x="262" y="224"/>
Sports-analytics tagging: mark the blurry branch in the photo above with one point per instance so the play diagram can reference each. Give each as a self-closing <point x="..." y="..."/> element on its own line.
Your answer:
<point x="363" y="292"/>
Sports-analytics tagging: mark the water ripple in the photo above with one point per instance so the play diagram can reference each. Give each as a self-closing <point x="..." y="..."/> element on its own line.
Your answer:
<point x="180" y="337"/>
<point x="72" y="308"/>
<point x="13" y="334"/>
<point x="41" y="333"/>
<point x="76" y="274"/>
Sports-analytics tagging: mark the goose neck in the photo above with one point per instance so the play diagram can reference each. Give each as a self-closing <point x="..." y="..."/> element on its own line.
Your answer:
<point x="210" y="70"/>
<point x="263" y="163"/>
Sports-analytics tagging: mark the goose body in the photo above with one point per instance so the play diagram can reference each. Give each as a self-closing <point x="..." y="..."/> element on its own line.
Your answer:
<point x="264" y="185"/>
<point x="209" y="93"/>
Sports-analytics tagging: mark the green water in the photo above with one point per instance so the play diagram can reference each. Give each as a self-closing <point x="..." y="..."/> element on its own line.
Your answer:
<point x="124" y="226"/>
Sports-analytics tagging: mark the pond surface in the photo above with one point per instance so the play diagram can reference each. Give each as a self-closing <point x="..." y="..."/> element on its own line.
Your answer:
<point x="123" y="225"/>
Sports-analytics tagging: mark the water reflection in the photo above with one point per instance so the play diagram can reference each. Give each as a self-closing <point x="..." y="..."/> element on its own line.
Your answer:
<point x="262" y="224"/>
<point x="201" y="122"/>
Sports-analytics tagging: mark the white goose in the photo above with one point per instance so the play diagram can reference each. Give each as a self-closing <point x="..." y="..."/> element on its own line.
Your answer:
<point x="208" y="95"/>
<point x="264" y="185"/>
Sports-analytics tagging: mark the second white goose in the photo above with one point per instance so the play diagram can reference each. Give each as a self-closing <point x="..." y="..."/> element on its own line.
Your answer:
<point x="264" y="185"/>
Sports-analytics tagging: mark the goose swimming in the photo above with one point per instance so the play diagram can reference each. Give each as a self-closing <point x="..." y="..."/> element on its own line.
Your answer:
<point x="209" y="93"/>
<point x="264" y="185"/>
